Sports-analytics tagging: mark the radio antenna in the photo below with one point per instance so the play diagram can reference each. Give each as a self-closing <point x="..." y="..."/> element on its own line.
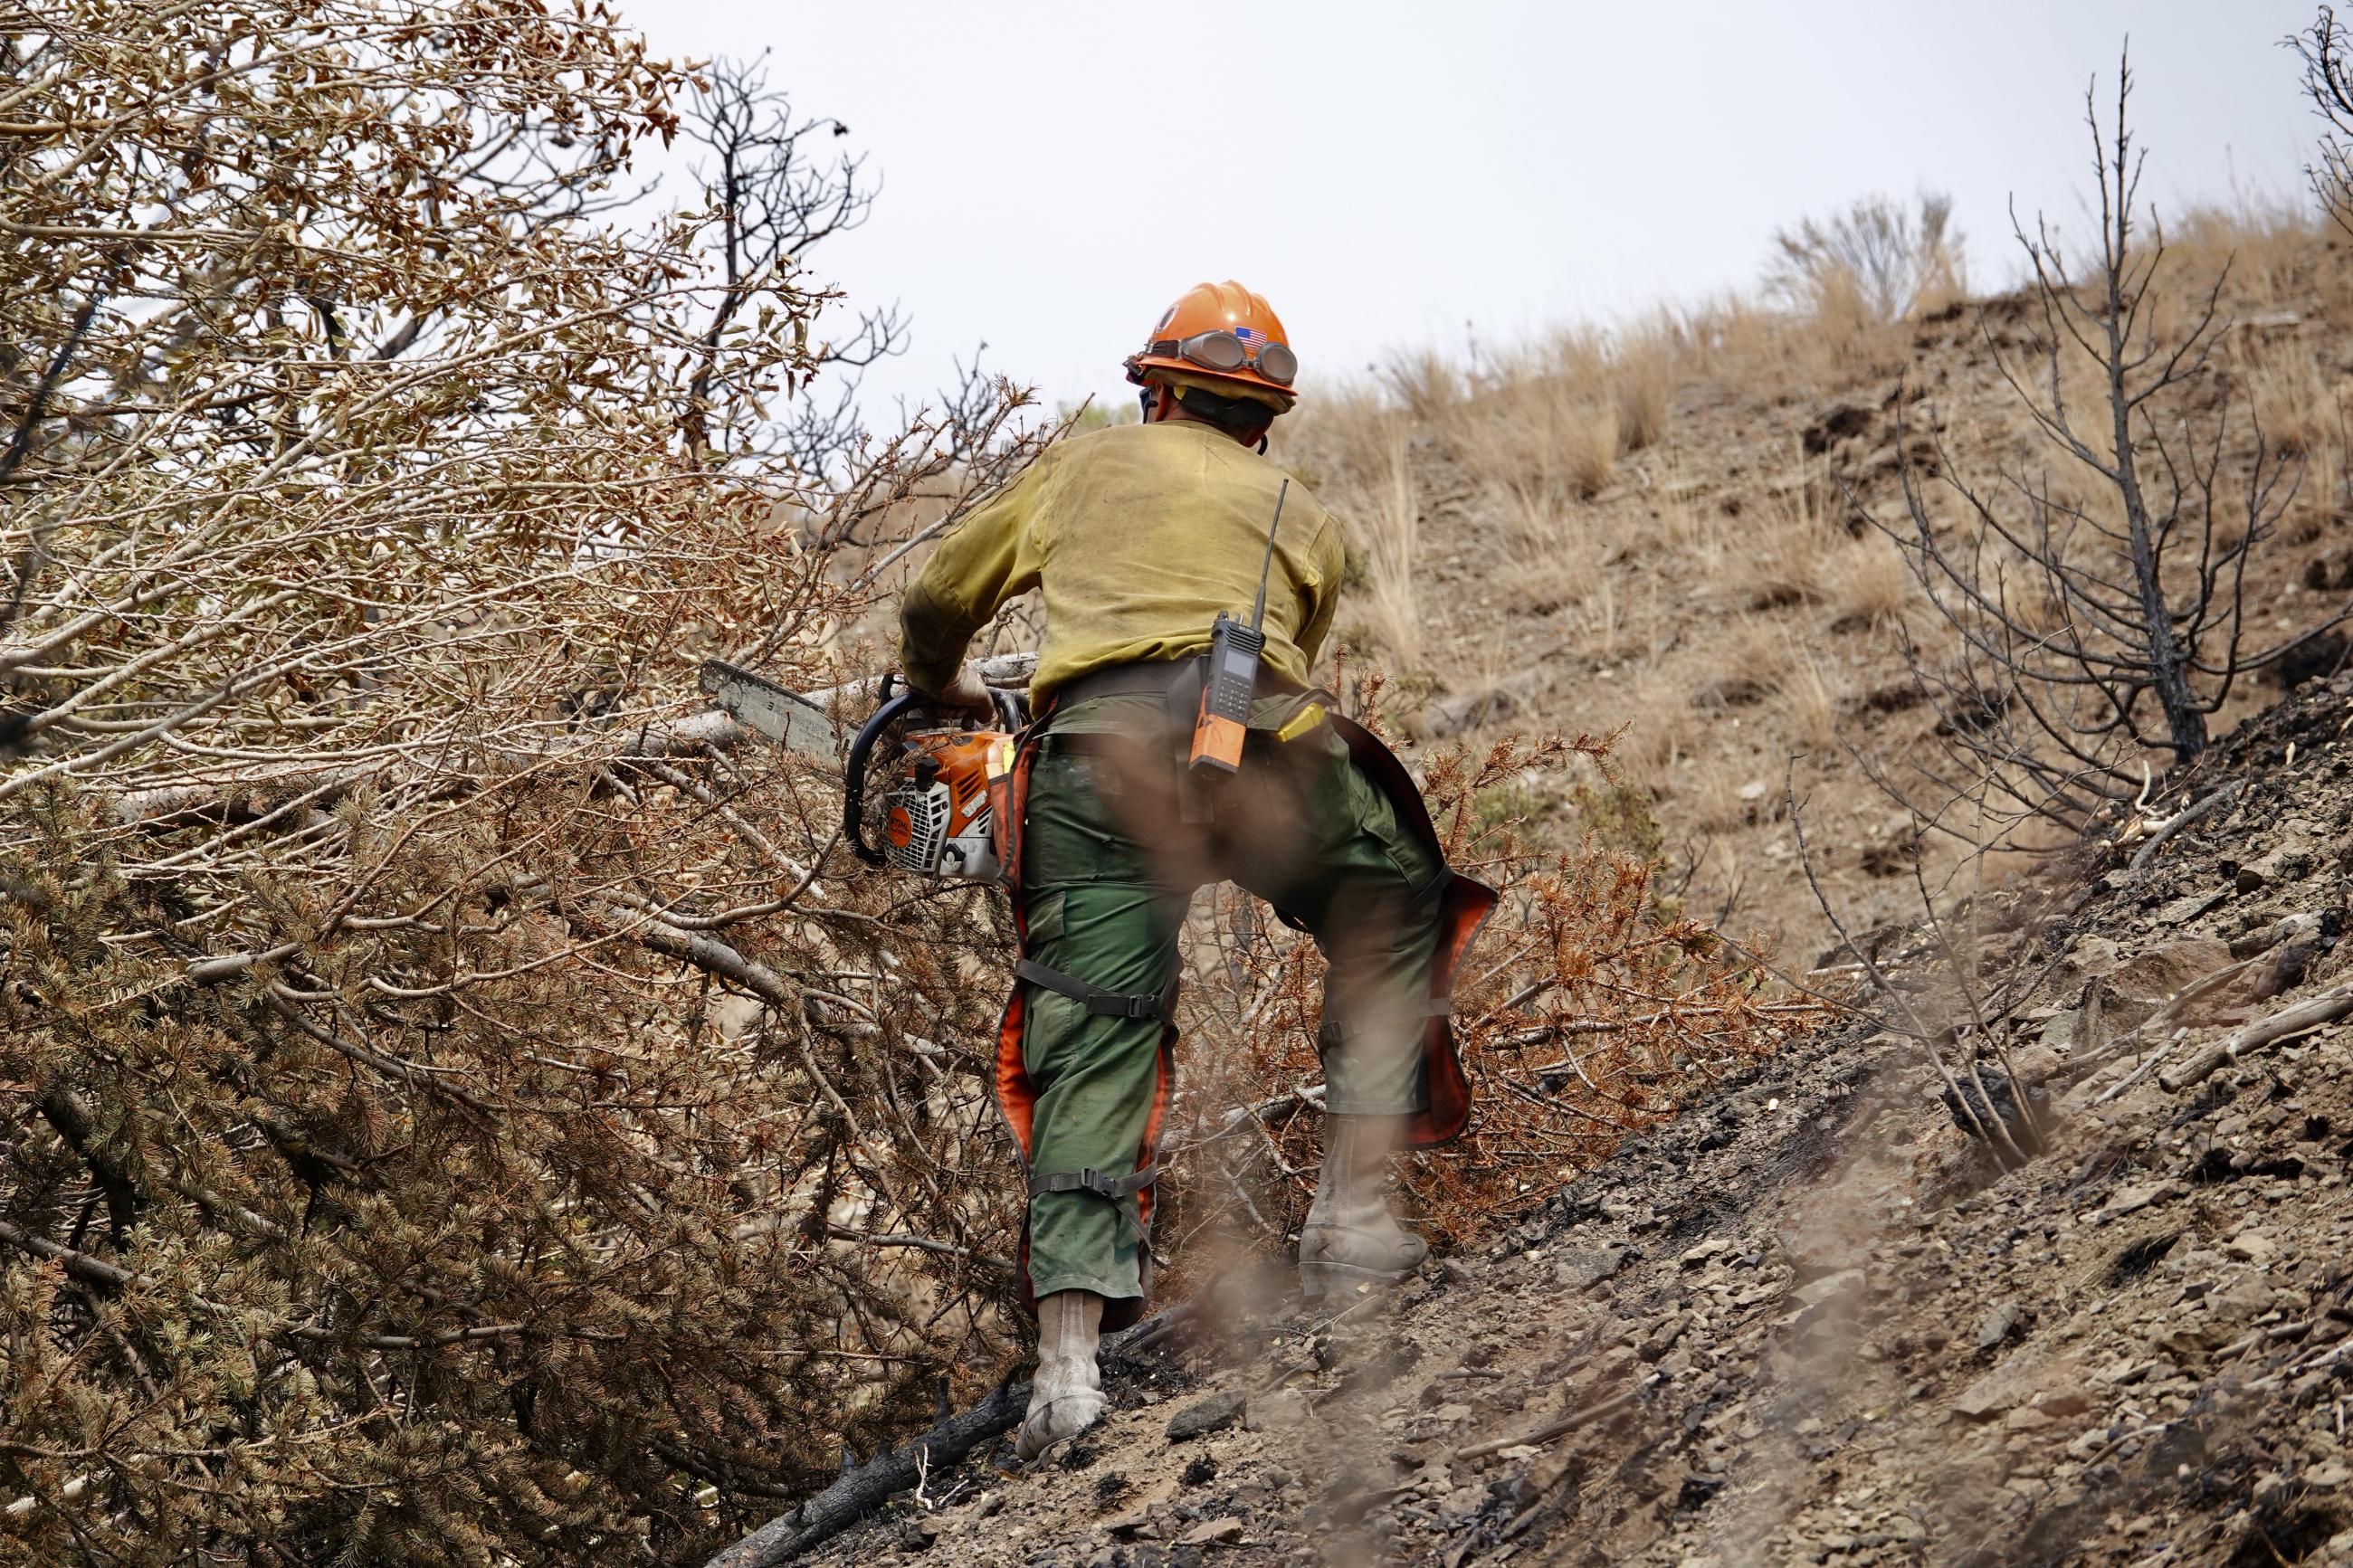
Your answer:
<point x="1257" y="611"/>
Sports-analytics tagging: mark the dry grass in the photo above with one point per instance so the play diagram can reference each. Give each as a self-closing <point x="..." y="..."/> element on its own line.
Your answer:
<point x="1781" y="354"/>
<point x="1385" y="513"/>
<point x="1602" y="619"/>
<point x="1810" y="698"/>
<point x="1724" y="792"/>
<point x="1867" y="582"/>
<point x="2300" y="417"/>
<point x="1588" y="450"/>
<point x="1944" y="287"/>
<point x="1644" y="370"/>
<point x="1758" y="646"/>
<point x="1785" y="556"/>
<point x="2291" y="405"/>
<point x="2268" y="244"/>
<point x="1846" y="339"/>
<point x="1691" y="523"/>
<point x="1424" y="381"/>
<point x="1653" y="707"/>
<point x="1731" y="337"/>
<point x="1538" y="445"/>
<point x="1547" y="414"/>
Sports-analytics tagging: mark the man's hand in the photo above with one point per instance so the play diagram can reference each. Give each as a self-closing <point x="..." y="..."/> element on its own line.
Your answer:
<point x="967" y="690"/>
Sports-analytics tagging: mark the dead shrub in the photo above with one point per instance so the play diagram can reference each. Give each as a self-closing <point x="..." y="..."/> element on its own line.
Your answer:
<point x="1871" y="264"/>
<point x="418" y="1152"/>
<point x="1607" y="1016"/>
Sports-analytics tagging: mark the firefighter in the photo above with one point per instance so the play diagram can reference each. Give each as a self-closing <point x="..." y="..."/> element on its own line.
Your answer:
<point x="1137" y="536"/>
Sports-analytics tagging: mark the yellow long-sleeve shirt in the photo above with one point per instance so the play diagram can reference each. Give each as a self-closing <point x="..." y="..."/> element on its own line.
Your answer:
<point x="1138" y="534"/>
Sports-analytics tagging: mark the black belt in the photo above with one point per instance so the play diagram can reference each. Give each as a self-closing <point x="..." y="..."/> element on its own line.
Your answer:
<point x="1154" y="676"/>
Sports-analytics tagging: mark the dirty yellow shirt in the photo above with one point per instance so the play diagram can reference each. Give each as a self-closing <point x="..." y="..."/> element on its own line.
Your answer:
<point x="1139" y="535"/>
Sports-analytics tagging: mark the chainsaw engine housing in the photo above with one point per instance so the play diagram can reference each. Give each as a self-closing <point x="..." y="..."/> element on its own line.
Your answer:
<point x="939" y="822"/>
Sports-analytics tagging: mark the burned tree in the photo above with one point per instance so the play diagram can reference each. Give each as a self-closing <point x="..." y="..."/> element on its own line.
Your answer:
<point x="773" y="201"/>
<point x="2097" y="620"/>
<point x="2328" y="83"/>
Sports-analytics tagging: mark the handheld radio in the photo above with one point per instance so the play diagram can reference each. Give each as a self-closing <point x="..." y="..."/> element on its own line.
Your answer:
<point x="1230" y="681"/>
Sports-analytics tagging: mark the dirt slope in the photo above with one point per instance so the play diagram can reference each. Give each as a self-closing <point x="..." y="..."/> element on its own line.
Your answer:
<point x="1812" y="1321"/>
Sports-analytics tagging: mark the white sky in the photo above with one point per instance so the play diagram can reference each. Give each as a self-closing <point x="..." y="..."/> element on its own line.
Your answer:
<point x="1390" y="174"/>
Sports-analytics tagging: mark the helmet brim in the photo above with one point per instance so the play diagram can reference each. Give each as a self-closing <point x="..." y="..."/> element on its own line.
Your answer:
<point x="1142" y="368"/>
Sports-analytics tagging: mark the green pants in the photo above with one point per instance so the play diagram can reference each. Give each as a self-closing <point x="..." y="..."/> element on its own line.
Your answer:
<point x="1108" y="869"/>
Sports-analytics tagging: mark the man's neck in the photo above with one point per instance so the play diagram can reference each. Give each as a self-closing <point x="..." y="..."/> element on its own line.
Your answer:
<point x="1179" y="415"/>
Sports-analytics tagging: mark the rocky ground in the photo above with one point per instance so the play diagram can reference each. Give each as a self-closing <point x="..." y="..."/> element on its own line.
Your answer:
<point x="1814" y="1319"/>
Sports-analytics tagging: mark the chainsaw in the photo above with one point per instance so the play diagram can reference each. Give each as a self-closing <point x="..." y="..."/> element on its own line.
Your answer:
<point x="937" y="818"/>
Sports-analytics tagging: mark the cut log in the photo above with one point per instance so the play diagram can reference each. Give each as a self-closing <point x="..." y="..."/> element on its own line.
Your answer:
<point x="874" y="1483"/>
<point x="2310" y="1014"/>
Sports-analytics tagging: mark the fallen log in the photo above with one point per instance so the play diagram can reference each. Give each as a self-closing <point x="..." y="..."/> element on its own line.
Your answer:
<point x="2310" y="1014"/>
<point x="870" y="1485"/>
<point x="2137" y="1038"/>
<point x="1553" y="1431"/>
<point x="2181" y="819"/>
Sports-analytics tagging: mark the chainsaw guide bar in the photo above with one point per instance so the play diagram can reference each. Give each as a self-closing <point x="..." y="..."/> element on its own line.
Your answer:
<point x="760" y="705"/>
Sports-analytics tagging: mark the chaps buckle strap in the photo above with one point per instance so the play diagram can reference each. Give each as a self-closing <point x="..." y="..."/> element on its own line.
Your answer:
<point x="1098" y="1001"/>
<point x="1118" y="1189"/>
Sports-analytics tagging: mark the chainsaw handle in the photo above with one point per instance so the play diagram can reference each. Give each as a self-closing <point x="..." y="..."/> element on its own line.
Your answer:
<point x="1012" y="711"/>
<point x="853" y="785"/>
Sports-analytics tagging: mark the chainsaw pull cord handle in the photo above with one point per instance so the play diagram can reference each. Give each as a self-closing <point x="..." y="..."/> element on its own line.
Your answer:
<point x="853" y="786"/>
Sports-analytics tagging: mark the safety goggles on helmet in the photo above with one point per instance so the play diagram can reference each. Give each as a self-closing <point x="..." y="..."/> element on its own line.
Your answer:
<point x="1231" y="351"/>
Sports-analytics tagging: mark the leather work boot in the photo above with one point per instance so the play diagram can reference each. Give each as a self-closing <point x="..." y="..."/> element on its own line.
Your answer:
<point x="1350" y="1239"/>
<point x="1066" y="1393"/>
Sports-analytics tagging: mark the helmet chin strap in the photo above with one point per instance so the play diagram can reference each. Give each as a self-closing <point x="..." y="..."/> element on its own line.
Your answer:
<point x="1160" y="402"/>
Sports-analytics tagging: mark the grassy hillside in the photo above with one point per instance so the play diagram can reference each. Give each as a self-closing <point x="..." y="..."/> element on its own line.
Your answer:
<point x="1659" y="532"/>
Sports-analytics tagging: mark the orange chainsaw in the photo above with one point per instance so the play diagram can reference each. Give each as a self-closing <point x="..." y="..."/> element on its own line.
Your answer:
<point x="937" y="820"/>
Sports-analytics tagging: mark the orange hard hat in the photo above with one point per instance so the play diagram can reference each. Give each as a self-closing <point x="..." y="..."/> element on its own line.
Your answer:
<point x="1221" y="333"/>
